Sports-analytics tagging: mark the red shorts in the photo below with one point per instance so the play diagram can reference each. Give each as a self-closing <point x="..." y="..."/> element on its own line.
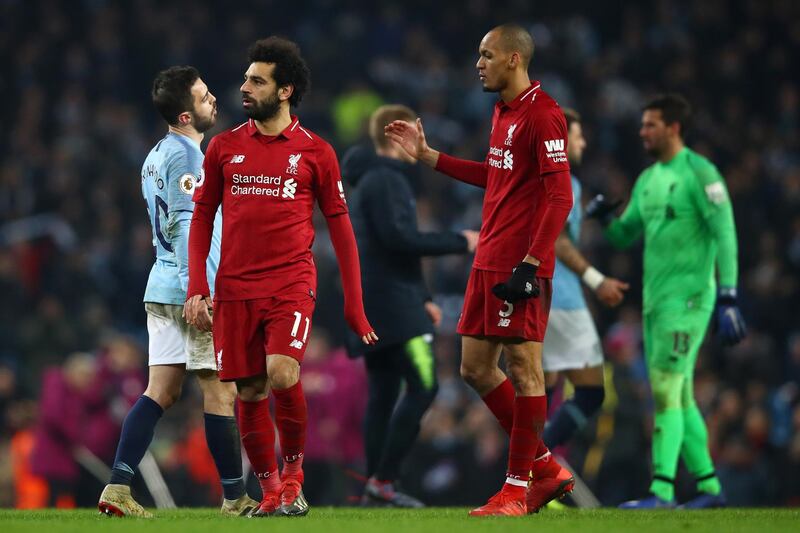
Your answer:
<point x="246" y="331"/>
<point x="486" y="314"/>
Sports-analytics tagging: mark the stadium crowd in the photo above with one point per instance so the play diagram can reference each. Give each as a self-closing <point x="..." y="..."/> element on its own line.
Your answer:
<point x="75" y="243"/>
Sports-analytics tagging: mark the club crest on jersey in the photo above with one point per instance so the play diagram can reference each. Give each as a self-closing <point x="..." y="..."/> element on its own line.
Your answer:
<point x="511" y="129"/>
<point x="187" y="183"/>
<point x="294" y="160"/>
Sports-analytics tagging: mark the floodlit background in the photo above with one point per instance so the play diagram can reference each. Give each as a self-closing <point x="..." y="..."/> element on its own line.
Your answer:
<point x="75" y="242"/>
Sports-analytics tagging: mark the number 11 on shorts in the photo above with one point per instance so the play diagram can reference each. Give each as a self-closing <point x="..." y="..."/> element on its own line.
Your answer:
<point x="298" y="317"/>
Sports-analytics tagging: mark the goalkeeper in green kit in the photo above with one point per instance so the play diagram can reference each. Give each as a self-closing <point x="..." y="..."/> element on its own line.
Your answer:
<point x="680" y="206"/>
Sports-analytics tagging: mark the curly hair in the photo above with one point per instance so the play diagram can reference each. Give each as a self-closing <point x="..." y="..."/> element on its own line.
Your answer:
<point x="290" y="67"/>
<point x="172" y="92"/>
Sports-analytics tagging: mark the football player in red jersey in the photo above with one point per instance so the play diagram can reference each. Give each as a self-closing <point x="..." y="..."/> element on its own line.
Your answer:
<point x="528" y="197"/>
<point x="267" y="173"/>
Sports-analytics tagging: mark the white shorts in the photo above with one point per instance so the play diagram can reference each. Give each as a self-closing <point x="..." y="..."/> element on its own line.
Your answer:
<point x="174" y="342"/>
<point x="571" y="341"/>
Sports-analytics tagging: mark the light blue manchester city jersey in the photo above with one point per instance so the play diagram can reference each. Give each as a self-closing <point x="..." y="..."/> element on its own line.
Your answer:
<point x="567" y="290"/>
<point x="172" y="170"/>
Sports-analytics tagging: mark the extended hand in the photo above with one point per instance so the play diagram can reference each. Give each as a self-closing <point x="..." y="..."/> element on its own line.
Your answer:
<point x="408" y="136"/>
<point x="611" y="291"/>
<point x="520" y="286"/>
<point x="729" y="323"/>
<point x="601" y="209"/>
<point x="197" y="312"/>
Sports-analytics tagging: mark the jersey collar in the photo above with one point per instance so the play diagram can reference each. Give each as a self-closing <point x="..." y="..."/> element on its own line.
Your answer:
<point x="527" y="94"/>
<point x="288" y="132"/>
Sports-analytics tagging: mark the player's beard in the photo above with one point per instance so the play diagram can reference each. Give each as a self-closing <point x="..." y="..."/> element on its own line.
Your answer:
<point x="203" y="124"/>
<point x="265" y="109"/>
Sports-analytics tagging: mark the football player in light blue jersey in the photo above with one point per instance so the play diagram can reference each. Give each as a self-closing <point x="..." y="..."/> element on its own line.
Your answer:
<point x="170" y="174"/>
<point x="571" y="343"/>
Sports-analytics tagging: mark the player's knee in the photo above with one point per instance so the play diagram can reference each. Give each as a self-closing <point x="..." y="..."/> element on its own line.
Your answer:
<point x="475" y="376"/>
<point x="524" y="378"/>
<point x="589" y="399"/>
<point x="666" y="390"/>
<point x="165" y="397"/>
<point x="283" y="373"/>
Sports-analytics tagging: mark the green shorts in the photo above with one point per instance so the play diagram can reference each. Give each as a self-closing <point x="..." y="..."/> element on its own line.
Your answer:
<point x="673" y="338"/>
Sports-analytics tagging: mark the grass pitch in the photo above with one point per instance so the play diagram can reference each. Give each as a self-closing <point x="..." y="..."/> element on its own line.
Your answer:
<point x="434" y="520"/>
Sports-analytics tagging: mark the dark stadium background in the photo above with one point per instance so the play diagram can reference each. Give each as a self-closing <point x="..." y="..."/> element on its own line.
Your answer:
<point x="75" y="241"/>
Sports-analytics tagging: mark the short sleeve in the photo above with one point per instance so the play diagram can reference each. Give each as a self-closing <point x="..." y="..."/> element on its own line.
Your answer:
<point x="328" y="183"/>
<point x="208" y="188"/>
<point x="183" y="172"/>
<point x="550" y="140"/>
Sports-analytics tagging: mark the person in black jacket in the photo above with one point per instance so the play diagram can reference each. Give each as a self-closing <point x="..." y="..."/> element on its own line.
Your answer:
<point x="383" y="213"/>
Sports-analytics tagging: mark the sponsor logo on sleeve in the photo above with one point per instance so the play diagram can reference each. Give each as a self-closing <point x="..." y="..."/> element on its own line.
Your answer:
<point x="341" y="191"/>
<point x="715" y="192"/>
<point x="555" y="150"/>
<point x="187" y="183"/>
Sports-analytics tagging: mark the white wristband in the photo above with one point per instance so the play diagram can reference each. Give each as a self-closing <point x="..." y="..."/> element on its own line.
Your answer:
<point x="592" y="278"/>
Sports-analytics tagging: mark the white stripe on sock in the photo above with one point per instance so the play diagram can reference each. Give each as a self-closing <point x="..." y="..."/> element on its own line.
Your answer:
<point x="516" y="482"/>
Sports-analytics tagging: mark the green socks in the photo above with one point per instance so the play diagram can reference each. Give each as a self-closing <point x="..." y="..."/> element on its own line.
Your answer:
<point x="694" y="451"/>
<point x="667" y="437"/>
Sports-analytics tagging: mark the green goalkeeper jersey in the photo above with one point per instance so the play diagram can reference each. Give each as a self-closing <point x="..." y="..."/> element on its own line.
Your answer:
<point x="683" y="209"/>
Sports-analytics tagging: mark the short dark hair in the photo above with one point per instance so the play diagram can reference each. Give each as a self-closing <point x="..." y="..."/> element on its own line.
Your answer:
<point x="172" y="92"/>
<point x="290" y="67"/>
<point x="515" y="38"/>
<point x="674" y="108"/>
<point x="572" y="116"/>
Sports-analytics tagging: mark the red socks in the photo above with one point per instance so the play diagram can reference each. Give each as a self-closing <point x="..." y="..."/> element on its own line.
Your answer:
<point x="258" y="438"/>
<point x="530" y="413"/>
<point x="500" y="402"/>
<point x="291" y="415"/>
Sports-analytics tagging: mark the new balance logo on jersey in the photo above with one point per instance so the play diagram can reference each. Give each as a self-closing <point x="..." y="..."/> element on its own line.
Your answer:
<point x="296" y="344"/>
<point x="555" y="150"/>
<point x="237" y="159"/>
<point x="289" y="188"/>
<point x="294" y="160"/>
<point x="511" y="129"/>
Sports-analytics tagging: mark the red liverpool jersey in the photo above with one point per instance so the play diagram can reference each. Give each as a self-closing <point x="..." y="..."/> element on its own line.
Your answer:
<point x="527" y="146"/>
<point x="267" y="187"/>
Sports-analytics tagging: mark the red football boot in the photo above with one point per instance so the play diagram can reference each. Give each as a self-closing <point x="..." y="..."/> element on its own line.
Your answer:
<point x="508" y="502"/>
<point x="551" y="481"/>
<point x="269" y="506"/>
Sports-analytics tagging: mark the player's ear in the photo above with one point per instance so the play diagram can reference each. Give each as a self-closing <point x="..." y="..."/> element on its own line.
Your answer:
<point x="285" y="92"/>
<point x="184" y="119"/>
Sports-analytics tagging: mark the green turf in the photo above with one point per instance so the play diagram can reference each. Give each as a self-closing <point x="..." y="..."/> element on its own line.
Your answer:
<point x="438" y="520"/>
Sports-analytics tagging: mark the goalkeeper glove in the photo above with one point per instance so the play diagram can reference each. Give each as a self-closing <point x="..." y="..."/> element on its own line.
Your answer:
<point x="601" y="209"/>
<point x="520" y="286"/>
<point x="729" y="324"/>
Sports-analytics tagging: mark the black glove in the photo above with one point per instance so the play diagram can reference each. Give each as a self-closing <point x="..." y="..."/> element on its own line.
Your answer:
<point x="729" y="325"/>
<point x="520" y="286"/>
<point x="601" y="209"/>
